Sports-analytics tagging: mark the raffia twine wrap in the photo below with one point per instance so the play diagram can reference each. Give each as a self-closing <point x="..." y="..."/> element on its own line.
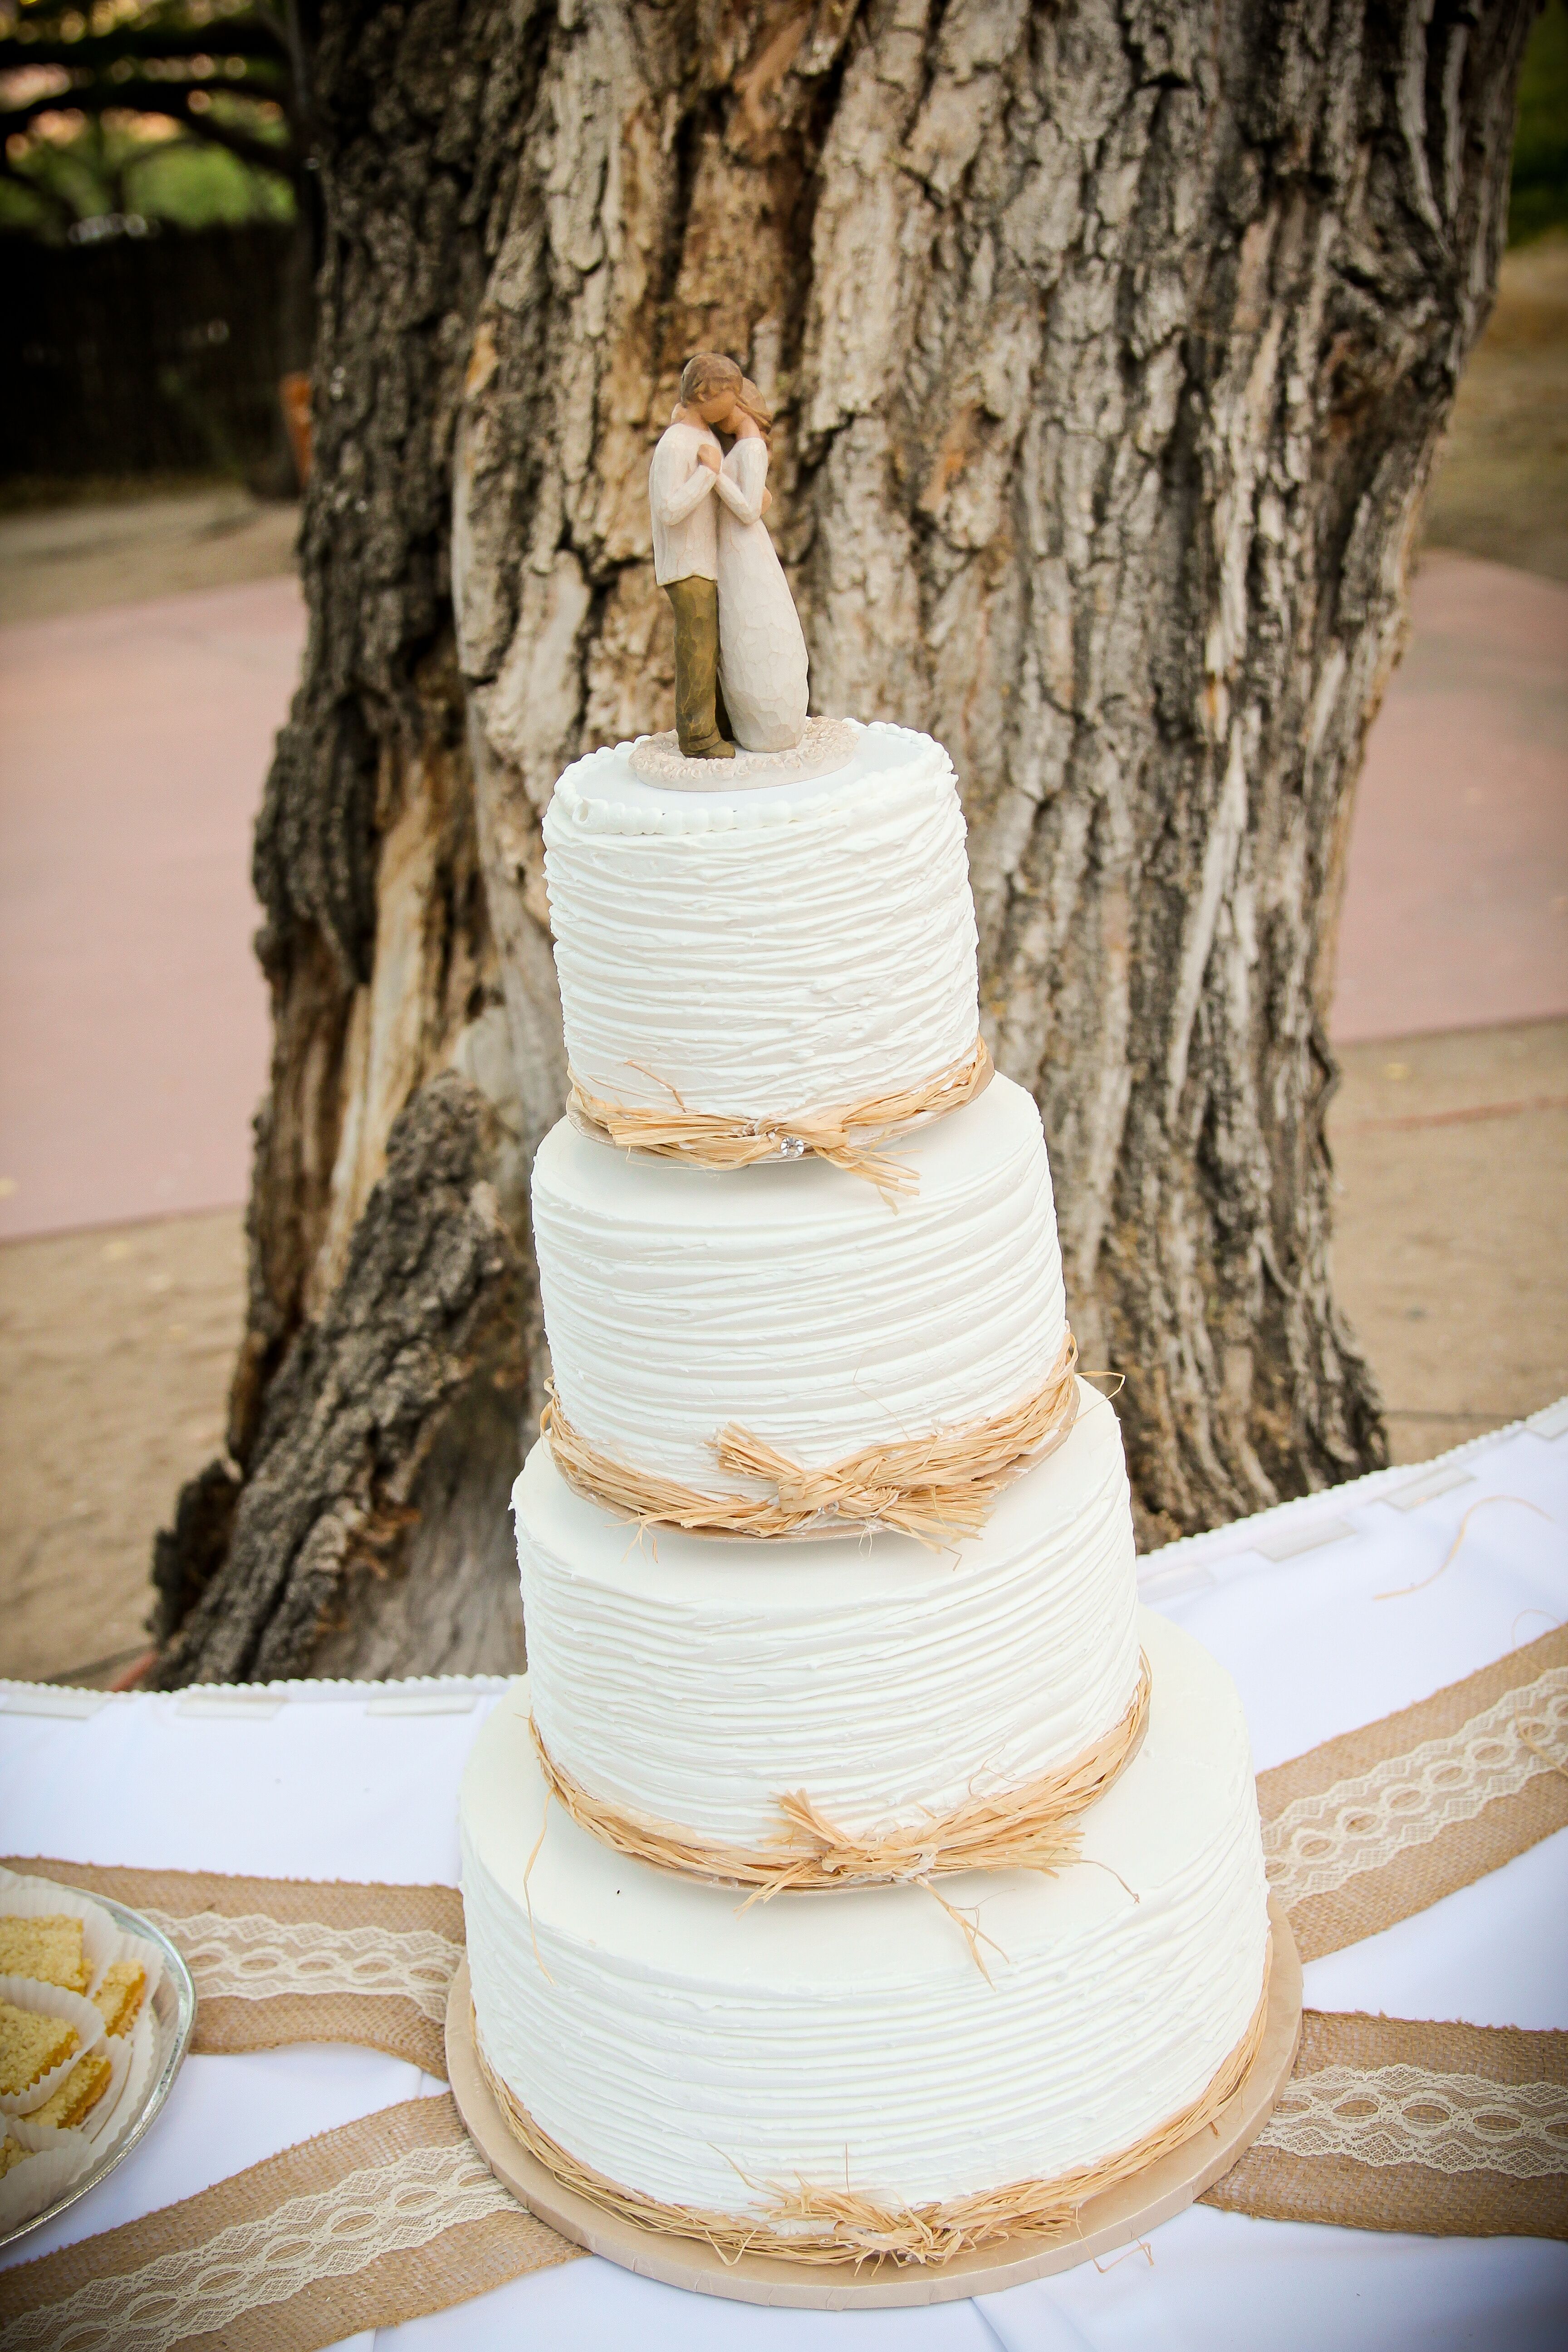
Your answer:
<point x="932" y="1487"/>
<point x="813" y="2223"/>
<point x="1029" y="1827"/>
<point x="849" y="1135"/>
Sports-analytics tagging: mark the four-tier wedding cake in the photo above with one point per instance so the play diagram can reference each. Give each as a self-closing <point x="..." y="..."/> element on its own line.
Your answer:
<point x="858" y="1868"/>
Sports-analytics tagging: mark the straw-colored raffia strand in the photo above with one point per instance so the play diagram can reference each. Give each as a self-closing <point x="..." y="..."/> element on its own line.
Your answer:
<point x="813" y="2223"/>
<point x="1029" y="1827"/>
<point x="849" y="1135"/>
<point x="1401" y="1592"/>
<point x="932" y="1487"/>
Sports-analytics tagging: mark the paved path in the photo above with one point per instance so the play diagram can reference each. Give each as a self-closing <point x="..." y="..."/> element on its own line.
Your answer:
<point x="134" y="1021"/>
<point x="134" y="1033"/>
<point x="1456" y="912"/>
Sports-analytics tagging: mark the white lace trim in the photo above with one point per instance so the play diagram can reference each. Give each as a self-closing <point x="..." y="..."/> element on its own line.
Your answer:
<point x="1360" y="1824"/>
<point x="254" y="1957"/>
<point x="381" y="2209"/>
<point x="1404" y="2115"/>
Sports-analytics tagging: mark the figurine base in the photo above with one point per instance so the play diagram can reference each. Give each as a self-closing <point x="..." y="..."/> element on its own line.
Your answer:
<point x="826" y="746"/>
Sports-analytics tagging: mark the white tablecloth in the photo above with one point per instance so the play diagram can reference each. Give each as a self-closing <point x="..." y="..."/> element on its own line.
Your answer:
<point x="356" y="1781"/>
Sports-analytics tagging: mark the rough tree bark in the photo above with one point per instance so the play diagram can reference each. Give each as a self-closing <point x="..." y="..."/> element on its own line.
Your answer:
<point x="1111" y="342"/>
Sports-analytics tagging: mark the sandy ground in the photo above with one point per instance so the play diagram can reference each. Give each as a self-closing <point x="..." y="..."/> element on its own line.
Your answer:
<point x="1500" y="488"/>
<point x="1451" y="1167"/>
<point x="82" y="559"/>
<point x="1455" y="906"/>
<point x="116" y="1348"/>
<point x="1452" y="1160"/>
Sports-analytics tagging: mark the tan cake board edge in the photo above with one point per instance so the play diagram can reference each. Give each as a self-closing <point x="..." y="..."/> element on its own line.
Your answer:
<point x="1115" y="2218"/>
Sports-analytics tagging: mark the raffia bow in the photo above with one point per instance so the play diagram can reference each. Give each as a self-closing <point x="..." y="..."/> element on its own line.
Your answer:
<point x="847" y="1135"/>
<point x="1031" y="1826"/>
<point x="934" y="1487"/>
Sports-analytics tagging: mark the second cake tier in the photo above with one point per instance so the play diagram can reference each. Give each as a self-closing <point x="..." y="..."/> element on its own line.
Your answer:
<point x="793" y="1301"/>
<point x="685" y="1685"/>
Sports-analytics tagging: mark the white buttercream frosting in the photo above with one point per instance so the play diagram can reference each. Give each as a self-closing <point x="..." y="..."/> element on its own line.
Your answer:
<point x="694" y="1679"/>
<point x="795" y="946"/>
<point x="687" y="2048"/>
<point x="793" y="1298"/>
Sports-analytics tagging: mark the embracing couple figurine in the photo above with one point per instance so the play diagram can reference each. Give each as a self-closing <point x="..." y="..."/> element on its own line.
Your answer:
<point x="739" y="657"/>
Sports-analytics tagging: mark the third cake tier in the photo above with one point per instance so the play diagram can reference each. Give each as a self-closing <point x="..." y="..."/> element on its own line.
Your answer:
<point x="685" y="1688"/>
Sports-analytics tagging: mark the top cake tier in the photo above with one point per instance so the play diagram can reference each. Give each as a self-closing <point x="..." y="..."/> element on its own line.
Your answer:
<point x="796" y="947"/>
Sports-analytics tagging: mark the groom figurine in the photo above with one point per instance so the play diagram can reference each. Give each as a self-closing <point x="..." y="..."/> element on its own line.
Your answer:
<point x="686" y="547"/>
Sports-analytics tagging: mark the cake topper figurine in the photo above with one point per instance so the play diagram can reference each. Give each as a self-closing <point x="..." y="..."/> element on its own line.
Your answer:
<point x="739" y="657"/>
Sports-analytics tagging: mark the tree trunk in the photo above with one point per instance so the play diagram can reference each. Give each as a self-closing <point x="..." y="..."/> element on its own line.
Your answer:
<point x="1111" y="344"/>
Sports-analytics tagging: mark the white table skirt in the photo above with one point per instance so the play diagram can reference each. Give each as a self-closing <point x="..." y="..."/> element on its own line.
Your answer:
<point x="338" y="1780"/>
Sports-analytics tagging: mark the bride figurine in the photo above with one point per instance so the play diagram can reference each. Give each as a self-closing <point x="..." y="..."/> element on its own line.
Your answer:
<point x="762" y="653"/>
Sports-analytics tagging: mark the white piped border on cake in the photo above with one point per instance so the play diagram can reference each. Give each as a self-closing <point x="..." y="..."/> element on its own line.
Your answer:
<point x="637" y="807"/>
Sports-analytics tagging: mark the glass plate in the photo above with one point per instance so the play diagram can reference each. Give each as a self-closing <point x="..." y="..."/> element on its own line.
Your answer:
<point x="173" y="2020"/>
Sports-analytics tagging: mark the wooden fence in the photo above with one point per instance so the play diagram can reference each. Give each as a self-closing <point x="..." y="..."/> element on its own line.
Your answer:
<point x="151" y="353"/>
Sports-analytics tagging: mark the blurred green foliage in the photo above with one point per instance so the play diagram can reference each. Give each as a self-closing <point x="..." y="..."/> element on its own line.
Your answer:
<point x="1538" y="196"/>
<point x="131" y="112"/>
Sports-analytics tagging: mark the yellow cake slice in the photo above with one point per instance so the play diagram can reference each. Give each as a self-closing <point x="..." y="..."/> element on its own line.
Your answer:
<point x="120" y="1995"/>
<point x="47" y="1949"/>
<point x="12" y="2152"/>
<point x="78" y="2095"/>
<point x="30" y="2045"/>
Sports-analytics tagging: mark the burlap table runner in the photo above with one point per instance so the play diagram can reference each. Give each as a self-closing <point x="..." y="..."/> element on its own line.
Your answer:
<point x="1386" y="2123"/>
<point x="1376" y="1825"/>
<point x="1441" y="2128"/>
<point x="368" y="2226"/>
<point x="1450" y="2130"/>
<point x="276" y="1960"/>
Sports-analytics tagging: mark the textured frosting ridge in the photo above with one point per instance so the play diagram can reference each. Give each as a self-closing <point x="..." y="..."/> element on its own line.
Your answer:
<point x="796" y="946"/>
<point x="794" y="1299"/>
<point x="693" y="1679"/>
<point x="675" y="2039"/>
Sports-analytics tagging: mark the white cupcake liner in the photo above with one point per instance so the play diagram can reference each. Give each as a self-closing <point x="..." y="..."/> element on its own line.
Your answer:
<point x="102" y="1941"/>
<point x="55" y="2158"/>
<point x="48" y="2000"/>
<point x="135" y="2057"/>
<point x="122" y="2055"/>
<point x="36" y="1898"/>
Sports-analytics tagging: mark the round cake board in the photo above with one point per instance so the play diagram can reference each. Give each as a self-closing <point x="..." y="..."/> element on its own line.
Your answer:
<point x="1116" y="2218"/>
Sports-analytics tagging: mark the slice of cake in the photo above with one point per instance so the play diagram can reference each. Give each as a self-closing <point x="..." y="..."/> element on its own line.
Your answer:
<point x="48" y="1949"/>
<point x="30" y="2045"/>
<point x="119" y="1997"/>
<point x="78" y="2095"/>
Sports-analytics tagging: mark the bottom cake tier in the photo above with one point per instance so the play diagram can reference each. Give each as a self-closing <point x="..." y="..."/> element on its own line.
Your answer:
<point x="838" y="2061"/>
